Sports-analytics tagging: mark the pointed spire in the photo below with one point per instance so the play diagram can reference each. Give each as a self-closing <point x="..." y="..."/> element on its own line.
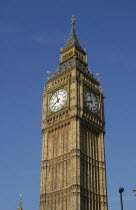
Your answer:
<point x="20" y="203"/>
<point x="72" y="40"/>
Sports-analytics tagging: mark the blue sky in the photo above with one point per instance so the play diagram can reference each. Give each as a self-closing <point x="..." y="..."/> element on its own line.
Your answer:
<point x="31" y="34"/>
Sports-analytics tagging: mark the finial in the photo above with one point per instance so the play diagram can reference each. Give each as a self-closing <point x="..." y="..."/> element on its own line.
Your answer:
<point x="48" y="72"/>
<point x="20" y="203"/>
<point x="73" y="20"/>
<point x="97" y="74"/>
<point x="20" y="199"/>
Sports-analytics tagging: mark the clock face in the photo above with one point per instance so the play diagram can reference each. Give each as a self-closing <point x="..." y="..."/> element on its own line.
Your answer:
<point x="91" y="101"/>
<point x="57" y="100"/>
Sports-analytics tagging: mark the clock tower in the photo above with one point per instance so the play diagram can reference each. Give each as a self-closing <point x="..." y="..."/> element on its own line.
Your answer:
<point x="73" y="173"/>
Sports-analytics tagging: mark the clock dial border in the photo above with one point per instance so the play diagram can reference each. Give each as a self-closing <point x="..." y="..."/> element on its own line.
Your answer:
<point x="51" y="93"/>
<point x="57" y="100"/>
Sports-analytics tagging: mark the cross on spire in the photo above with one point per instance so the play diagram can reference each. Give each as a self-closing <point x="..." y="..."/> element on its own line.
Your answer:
<point x="73" y="20"/>
<point x="20" y="203"/>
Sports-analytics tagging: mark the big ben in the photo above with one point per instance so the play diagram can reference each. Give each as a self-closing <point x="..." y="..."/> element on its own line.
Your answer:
<point x="73" y="170"/>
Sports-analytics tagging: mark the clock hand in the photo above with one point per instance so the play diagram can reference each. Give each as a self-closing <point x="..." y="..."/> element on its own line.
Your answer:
<point x="57" y="101"/>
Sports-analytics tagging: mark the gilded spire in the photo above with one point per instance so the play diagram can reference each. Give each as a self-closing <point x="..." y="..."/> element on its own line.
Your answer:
<point x="20" y="203"/>
<point x="72" y="40"/>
